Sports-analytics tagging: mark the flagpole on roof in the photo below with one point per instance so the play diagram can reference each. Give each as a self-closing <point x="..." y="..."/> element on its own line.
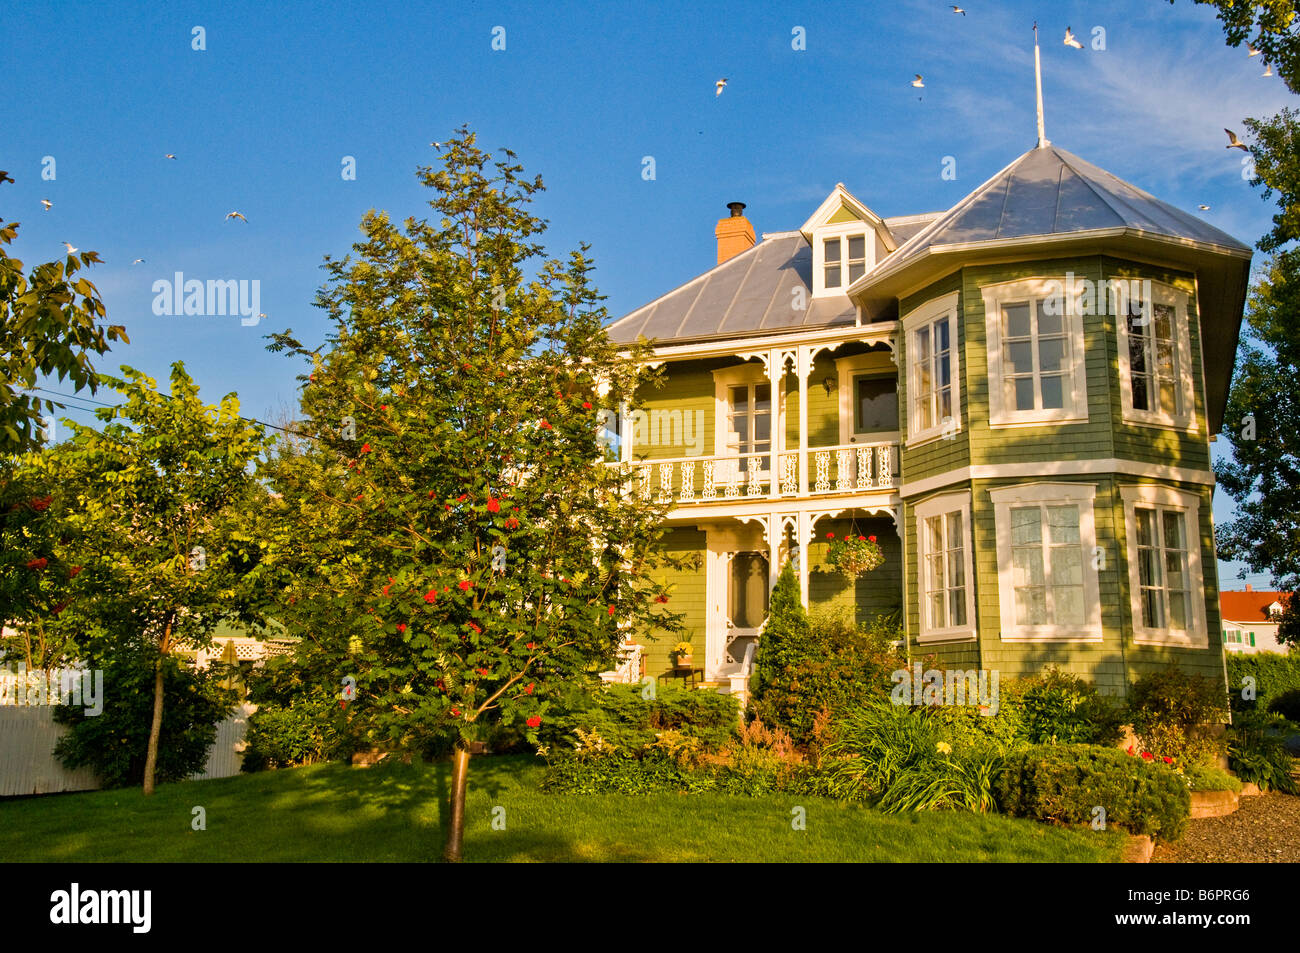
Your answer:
<point x="1038" y="88"/>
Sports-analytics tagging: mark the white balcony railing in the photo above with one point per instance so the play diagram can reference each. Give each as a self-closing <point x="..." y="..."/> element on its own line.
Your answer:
<point x="849" y="468"/>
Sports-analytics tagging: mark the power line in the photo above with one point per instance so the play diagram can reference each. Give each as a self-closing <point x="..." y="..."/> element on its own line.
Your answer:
<point x="91" y="400"/>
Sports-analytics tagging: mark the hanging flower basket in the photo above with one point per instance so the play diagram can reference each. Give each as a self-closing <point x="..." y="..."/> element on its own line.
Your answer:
<point x="854" y="555"/>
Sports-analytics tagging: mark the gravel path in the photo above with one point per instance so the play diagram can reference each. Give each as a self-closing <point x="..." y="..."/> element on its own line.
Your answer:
<point x="1263" y="829"/>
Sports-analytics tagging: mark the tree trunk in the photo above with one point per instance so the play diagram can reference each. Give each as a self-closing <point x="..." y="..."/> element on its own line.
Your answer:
<point x="155" y="729"/>
<point x="459" y="785"/>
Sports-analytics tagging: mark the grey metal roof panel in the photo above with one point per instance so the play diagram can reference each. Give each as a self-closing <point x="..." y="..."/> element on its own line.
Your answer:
<point x="1048" y="191"/>
<point x="749" y="292"/>
<point x="905" y="226"/>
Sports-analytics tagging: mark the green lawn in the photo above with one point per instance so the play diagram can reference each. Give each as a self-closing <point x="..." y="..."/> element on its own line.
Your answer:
<point x="391" y="813"/>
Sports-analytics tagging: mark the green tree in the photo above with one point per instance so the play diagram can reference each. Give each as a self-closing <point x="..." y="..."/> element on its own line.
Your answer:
<point x="785" y="635"/>
<point x="47" y="327"/>
<point x="38" y="567"/>
<point x="1262" y="416"/>
<point x="163" y="504"/>
<point x="446" y="535"/>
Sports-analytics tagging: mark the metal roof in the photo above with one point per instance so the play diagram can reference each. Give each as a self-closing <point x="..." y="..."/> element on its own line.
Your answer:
<point x="749" y="293"/>
<point x="1051" y="192"/>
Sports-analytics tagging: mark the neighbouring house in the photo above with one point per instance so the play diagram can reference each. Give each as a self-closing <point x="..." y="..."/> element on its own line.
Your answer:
<point x="1015" y="396"/>
<point x="1250" y="621"/>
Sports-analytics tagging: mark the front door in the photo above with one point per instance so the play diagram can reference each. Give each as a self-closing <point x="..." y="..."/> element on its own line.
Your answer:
<point x="742" y="599"/>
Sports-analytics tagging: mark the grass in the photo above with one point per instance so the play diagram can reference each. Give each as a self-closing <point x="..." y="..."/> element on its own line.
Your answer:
<point x="333" y="812"/>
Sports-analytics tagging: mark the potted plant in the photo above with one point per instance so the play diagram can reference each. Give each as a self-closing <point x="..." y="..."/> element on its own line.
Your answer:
<point x="682" y="654"/>
<point x="854" y="556"/>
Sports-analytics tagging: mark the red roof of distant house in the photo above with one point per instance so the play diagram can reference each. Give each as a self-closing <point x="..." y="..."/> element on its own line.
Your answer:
<point x="1248" y="606"/>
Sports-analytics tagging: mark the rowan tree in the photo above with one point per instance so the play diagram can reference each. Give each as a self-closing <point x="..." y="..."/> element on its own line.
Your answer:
<point x="448" y="535"/>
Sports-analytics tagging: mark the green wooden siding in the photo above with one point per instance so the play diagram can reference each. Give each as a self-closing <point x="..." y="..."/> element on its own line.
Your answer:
<point x="688" y="596"/>
<point x="876" y="592"/>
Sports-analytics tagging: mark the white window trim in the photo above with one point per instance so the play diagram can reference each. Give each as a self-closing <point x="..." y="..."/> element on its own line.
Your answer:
<point x="936" y="308"/>
<point x="840" y="230"/>
<point x="1075" y="410"/>
<point x="1198" y="635"/>
<point x="1082" y="494"/>
<point x="1186" y="421"/>
<point x="939" y="506"/>
<point x="849" y="368"/>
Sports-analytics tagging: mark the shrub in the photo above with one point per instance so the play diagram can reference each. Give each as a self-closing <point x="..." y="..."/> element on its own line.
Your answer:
<point x="1257" y="751"/>
<point x="837" y="664"/>
<point x="1287" y="705"/>
<point x="304" y="732"/>
<point x="1205" y="778"/>
<point x="1172" y="711"/>
<point x="298" y="718"/>
<point x="894" y="757"/>
<point x="785" y="635"/>
<point x="1273" y="675"/>
<point x="620" y="774"/>
<point x="115" y="742"/>
<point x="758" y="761"/>
<point x="630" y="722"/>
<point x="1064" y="783"/>
<point x="1054" y="707"/>
<point x="1060" y="708"/>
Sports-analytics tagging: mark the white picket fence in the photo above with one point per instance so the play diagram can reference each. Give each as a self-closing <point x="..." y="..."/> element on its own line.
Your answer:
<point x="28" y="765"/>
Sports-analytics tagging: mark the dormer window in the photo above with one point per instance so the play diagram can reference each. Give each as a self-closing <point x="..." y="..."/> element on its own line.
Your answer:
<point x="846" y="239"/>
<point x="846" y="254"/>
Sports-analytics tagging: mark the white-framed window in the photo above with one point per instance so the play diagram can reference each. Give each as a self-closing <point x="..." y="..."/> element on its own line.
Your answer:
<point x="1232" y="636"/>
<point x="1163" y="529"/>
<point x="933" y="370"/>
<point x="744" y="416"/>
<point x="842" y="253"/>
<point x="1036" y="360"/>
<point x="1155" y="357"/>
<point x="945" y="574"/>
<point x="868" y="398"/>
<point x="1047" y="566"/>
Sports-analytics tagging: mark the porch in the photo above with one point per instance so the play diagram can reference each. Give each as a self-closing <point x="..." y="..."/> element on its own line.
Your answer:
<point x="725" y="601"/>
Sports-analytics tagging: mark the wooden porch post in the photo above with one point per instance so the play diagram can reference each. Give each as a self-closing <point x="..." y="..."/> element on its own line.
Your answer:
<point x="803" y="369"/>
<point x="803" y="538"/>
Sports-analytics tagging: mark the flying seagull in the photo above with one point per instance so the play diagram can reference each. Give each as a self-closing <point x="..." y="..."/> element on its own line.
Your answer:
<point x="1234" y="142"/>
<point x="238" y="215"/>
<point x="436" y="145"/>
<point x="47" y="203"/>
<point x="138" y="261"/>
<point x="918" y="83"/>
<point x="1070" y="40"/>
<point x="71" y="250"/>
<point x="718" y="86"/>
<point x="959" y="10"/>
<point x="1203" y="208"/>
<point x="1268" y="70"/>
<point x="169" y="156"/>
<point x="1251" y="51"/>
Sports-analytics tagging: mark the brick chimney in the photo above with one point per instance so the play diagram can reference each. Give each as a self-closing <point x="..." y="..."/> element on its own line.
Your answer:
<point x="734" y="233"/>
<point x="1248" y="587"/>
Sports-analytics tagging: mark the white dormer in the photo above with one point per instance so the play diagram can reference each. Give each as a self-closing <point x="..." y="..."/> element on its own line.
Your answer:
<point x="1275" y="611"/>
<point x="847" y="240"/>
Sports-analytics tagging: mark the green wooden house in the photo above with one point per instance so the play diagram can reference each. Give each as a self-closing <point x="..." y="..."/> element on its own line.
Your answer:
<point x="1015" y="396"/>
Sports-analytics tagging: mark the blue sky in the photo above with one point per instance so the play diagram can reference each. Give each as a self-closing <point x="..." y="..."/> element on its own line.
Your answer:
<point x="261" y="119"/>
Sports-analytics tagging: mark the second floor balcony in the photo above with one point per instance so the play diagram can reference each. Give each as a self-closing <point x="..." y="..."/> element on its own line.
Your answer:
<point x="853" y="468"/>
